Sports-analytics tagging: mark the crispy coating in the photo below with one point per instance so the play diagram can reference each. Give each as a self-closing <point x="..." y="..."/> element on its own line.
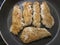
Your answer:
<point x="17" y="23"/>
<point x="27" y="13"/>
<point x="30" y="34"/>
<point x="47" y="18"/>
<point x="36" y="14"/>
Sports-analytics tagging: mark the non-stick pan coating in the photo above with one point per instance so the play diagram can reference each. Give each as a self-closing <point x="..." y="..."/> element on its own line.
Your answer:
<point x="6" y="22"/>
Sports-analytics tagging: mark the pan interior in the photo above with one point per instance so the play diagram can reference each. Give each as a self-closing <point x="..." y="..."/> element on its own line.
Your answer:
<point x="53" y="30"/>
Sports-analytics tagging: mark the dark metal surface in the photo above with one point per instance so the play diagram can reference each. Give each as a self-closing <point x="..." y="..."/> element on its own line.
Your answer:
<point x="1" y="2"/>
<point x="4" y="14"/>
<point x="1" y="40"/>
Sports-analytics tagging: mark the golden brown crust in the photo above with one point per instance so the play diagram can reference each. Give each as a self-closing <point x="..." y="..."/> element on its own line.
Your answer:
<point x="36" y="14"/>
<point x="27" y="12"/>
<point x="30" y="34"/>
<point x="16" y="20"/>
<point x="47" y="18"/>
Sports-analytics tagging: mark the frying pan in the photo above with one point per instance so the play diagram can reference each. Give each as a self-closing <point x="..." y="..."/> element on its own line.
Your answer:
<point x="5" y="22"/>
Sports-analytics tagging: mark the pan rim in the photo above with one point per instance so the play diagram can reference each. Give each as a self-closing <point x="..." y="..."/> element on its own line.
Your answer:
<point x="2" y="4"/>
<point x="47" y="43"/>
<point x="58" y="26"/>
<point x="3" y="38"/>
<point x="0" y="31"/>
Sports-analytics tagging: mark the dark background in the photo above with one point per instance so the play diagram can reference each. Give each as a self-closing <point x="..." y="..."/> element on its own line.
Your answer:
<point x="1" y="41"/>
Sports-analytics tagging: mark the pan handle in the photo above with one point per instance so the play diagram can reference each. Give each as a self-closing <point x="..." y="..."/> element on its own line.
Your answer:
<point x="2" y="4"/>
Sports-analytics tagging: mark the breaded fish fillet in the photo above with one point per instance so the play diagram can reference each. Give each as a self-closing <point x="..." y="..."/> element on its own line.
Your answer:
<point x="47" y="18"/>
<point x="36" y="14"/>
<point x="17" y="23"/>
<point x="27" y="13"/>
<point x="30" y="34"/>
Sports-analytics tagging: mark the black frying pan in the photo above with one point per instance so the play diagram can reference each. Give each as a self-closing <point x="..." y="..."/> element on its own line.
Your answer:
<point x="5" y="21"/>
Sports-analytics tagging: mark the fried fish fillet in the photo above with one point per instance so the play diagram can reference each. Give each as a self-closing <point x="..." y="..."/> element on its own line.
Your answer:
<point x="30" y="34"/>
<point x="47" y="18"/>
<point x="17" y="23"/>
<point x="27" y="13"/>
<point x="36" y="14"/>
